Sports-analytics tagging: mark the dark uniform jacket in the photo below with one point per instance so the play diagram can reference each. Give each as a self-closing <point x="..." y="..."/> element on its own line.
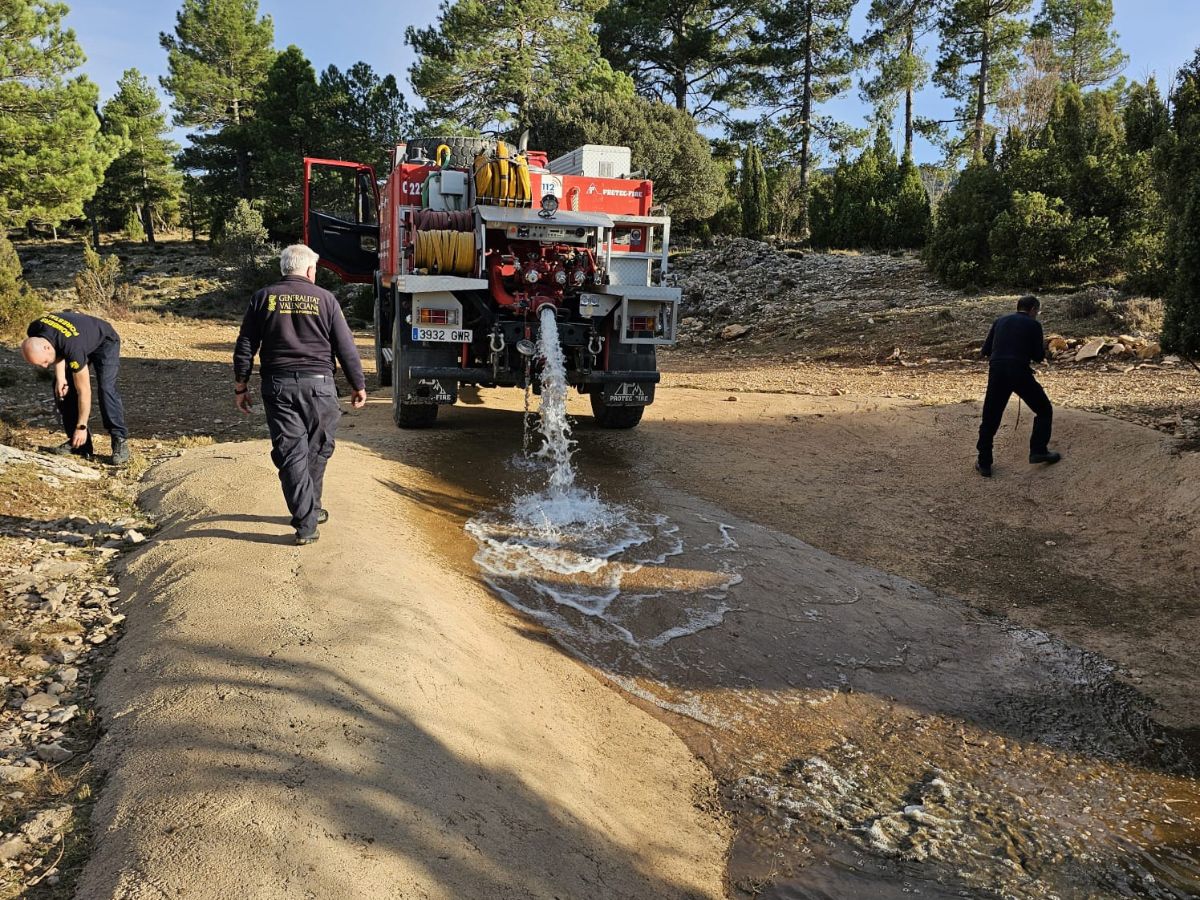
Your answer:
<point x="1016" y="337"/>
<point x="296" y="327"/>
<point x="74" y="336"/>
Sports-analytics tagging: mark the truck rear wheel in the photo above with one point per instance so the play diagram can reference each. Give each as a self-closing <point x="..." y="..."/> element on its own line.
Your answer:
<point x="406" y="415"/>
<point x="383" y="331"/>
<point x="614" y="416"/>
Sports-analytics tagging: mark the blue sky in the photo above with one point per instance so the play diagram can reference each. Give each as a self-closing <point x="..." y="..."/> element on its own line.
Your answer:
<point x="1158" y="36"/>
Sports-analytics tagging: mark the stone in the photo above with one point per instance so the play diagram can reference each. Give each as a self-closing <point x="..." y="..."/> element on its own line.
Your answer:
<point x="68" y="676"/>
<point x="133" y="536"/>
<point x="12" y="848"/>
<point x="1149" y="351"/>
<point x="39" y="702"/>
<point x="35" y="663"/>
<point x="1090" y="350"/>
<point x="64" y="468"/>
<point x="64" y="715"/>
<point x="13" y="774"/>
<point x="46" y="824"/>
<point x="1118" y="350"/>
<point x="733" y="332"/>
<point x="53" y="753"/>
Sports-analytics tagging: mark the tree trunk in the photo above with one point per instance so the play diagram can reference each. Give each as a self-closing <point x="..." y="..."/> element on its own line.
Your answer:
<point x="147" y="215"/>
<point x="802" y="224"/>
<point x="95" y="233"/>
<point x="909" y="41"/>
<point x="985" y="52"/>
<point x="242" y="154"/>
<point x="680" y="89"/>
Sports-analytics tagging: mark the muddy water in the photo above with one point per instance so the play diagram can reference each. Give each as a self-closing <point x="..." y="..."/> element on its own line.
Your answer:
<point x="871" y="739"/>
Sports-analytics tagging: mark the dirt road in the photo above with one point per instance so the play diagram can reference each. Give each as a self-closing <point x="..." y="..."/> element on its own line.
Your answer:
<point x="358" y="720"/>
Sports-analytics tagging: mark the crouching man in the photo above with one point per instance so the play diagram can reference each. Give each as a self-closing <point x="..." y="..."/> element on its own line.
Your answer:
<point x="298" y="330"/>
<point x="75" y="344"/>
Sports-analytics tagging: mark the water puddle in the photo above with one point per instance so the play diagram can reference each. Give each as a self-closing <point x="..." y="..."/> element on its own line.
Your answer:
<point x="871" y="738"/>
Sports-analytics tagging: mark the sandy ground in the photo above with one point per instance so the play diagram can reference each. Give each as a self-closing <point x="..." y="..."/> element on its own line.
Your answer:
<point x="354" y="720"/>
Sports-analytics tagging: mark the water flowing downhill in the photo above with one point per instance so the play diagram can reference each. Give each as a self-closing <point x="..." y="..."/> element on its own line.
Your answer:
<point x="575" y="561"/>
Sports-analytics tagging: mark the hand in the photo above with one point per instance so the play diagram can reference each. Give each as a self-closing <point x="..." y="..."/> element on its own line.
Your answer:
<point x="242" y="401"/>
<point x="358" y="399"/>
<point x="79" y="438"/>
<point x="60" y="388"/>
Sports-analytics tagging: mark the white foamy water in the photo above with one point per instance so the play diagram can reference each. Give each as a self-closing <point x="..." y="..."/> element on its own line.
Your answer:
<point x="588" y="569"/>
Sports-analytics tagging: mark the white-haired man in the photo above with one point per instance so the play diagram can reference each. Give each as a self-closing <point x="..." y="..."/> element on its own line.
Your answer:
<point x="74" y="344"/>
<point x="299" y="331"/>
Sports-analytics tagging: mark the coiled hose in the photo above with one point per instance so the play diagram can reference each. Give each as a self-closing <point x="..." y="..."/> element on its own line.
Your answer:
<point x="501" y="179"/>
<point x="444" y="252"/>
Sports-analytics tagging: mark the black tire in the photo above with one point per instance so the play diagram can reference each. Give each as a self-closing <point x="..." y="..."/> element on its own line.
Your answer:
<point x="462" y="149"/>
<point x="614" y="416"/>
<point x="383" y="369"/>
<point x="406" y="415"/>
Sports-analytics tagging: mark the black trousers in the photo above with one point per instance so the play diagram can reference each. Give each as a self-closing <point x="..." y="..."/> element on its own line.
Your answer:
<point x="105" y="362"/>
<point x="1006" y="378"/>
<point x="302" y="415"/>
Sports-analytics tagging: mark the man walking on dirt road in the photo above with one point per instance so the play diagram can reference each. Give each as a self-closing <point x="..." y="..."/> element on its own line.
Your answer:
<point x="75" y="344"/>
<point x="1014" y="343"/>
<point x="299" y="330"/>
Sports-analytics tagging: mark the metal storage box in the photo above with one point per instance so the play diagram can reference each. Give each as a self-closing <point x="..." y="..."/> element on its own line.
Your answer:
<point x="594" y="161"/>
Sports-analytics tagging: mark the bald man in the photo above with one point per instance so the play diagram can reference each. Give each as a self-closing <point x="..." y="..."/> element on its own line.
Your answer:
<point x="74" y="344"/>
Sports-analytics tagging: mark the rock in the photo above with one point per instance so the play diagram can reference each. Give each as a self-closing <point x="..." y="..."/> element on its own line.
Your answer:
<point x="1148" y="351"/>
<point x="68" y="676"/>
<point x="63" y="716"/>
<point x="1118" y="351"/>
<point x="12" y="848"/>
<point x="46" y="824"/>
<point x="133" y="536"/>
<point x="1090" y="350"/>
<point x="62" y="467"/>
<point x="733" y="332"/>
<point x="39" y="702"/>
<point x="35" y="663"/>
<point x="53" y="753"/>
<point x="13" y="774"/>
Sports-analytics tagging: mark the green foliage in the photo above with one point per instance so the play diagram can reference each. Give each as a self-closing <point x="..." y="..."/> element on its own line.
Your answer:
<point x="1037" y="242"/>
<point x="362" y="115"/>
<point x="872" y="202"/>
<point x="805" y="58"/>
<point x="959" y="250"/>
<point x="217" y="62"/>
<point x="98" y="285"/>
<point x="52" y="154"/>
<point x="663" y="141"/>
<point x="1085" y="46"/>
<point x="1181" y="158"/>
<point x="693" y="54"/>
<point x="485" y="63"/>
<point x="895" y="60"/>
<point x="142" y="182"/>
<point x="242" y="242"/>
<point x="1147" y="118"/>
<point x="753" y="194"/>
<point x="979" y="45"/>
<point x="18" y="304"/>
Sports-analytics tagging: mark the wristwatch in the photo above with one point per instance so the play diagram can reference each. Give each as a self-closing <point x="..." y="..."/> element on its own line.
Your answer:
<point x="81" y="428"/>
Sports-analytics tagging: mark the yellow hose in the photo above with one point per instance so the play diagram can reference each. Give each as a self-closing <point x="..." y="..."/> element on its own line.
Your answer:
<point x="443" y="252"/>
<point x="438" y="155"/>
<point x="502" y="179"/>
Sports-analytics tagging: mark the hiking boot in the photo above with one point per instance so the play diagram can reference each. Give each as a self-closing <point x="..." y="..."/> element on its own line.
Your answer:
<point x="984" y="469"/>
<point x="120" y="451"/>
<point x="1049" y="456"/>
<point x="65" y="449"/>
<point x="322" y="516"/>
<point x="311" y="538"/>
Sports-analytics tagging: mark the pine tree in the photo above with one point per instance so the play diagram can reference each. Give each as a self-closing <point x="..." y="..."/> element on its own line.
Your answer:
<point x="806" y="58"/>
<point x="483" y="64"/>
<point x="980" y="41"/>
<point x="691" y="53"/>
<point x="143" y="179"/>
<point x="1147" y="118"/>
<point x="1085" y="46"/>
<point x="898" y="63"/>
<point x="361" y="115"/>
<point x="1025" y="101"/>
<point x="52" y="154"/>
<point x="18" y="304"/>
<point x="911" y="213"/>
<point x="285" y="130"/>
<point x="1181" y="325"/>
<point x="217" y="62"/>
<point x="754" y="194"/>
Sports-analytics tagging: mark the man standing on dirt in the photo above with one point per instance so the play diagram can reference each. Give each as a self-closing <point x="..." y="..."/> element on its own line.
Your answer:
<point x="75" y="344"/>
<point x="299" y="330"/>
<point x="1013" y="345"/>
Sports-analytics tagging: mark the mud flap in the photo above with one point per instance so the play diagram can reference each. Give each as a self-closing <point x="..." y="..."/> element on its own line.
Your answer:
<point x="430" y="390"/>
<point x="627" y="393"/>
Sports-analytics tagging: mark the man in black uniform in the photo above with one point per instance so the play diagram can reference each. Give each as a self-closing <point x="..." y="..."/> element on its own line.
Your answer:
<point x="75" y="344"/>
<point x="1015" y="342"/>
<point x="299" y="330"/>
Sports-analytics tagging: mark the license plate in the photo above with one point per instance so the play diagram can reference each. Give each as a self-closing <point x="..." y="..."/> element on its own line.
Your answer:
<point x="445" y="335"/>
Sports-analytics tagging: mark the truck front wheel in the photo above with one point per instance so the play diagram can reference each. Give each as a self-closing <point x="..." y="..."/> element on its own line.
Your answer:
<point x="607" y="416"/>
